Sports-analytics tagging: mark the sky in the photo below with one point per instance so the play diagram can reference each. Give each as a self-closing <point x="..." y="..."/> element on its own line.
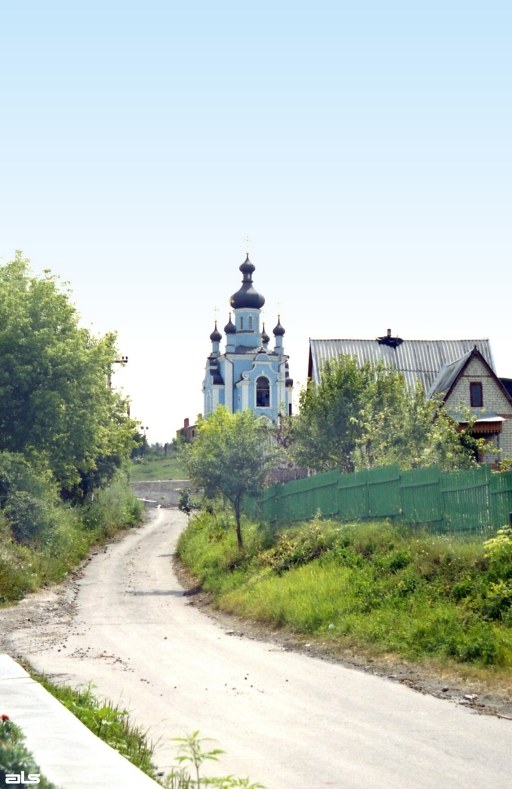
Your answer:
<point x="360" y="151"/>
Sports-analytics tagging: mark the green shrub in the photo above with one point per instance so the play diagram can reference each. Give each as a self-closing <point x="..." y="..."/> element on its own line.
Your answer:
<point x="112" y="508"/>
<point x="14" y="755"/>
<point x="498" y="551"/>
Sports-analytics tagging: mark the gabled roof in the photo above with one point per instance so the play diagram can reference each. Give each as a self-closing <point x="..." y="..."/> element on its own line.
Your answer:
<point x="418" y="360"/>
<point x="450" y="374"/>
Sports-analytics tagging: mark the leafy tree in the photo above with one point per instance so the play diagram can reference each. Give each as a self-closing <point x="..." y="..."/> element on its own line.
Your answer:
<point x="230" y="456"/>
<point x="361" y="416"/>
<point x="56" y="404"/>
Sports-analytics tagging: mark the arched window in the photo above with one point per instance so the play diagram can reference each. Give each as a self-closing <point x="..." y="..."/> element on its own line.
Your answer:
<point x="262" y="392"/>
<point x="250" y="322"/>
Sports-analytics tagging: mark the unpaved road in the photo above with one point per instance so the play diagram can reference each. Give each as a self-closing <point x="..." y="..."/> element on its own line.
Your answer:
<point x="287" y="720"/>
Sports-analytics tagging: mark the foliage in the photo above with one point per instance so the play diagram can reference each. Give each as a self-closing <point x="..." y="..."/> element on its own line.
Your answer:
<point x="377" y="587"/>
<point x="14" y="755"/>
<point x="230" y="456"/>
<point x="28" y="497"/>
<point x="112" y="508"/>
<point x="191" y="752"/>
<point x="56" y="404"/>
<point x="185" y="501"/>
<point x="499" y="552"/>
<point x="361" y="416"/>
<point x="25" y="567"/>
<point x="294" y="548"/>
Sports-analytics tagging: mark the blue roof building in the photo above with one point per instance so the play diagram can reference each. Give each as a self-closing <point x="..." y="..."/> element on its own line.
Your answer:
<point x="248" y="374"/>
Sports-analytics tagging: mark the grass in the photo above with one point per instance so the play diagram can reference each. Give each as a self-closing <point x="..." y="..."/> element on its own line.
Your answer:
<point x="372" y="586"/>
<point x="26" y="568"/>
<point x="108" y="722"/>
<point x="151" y="468"/>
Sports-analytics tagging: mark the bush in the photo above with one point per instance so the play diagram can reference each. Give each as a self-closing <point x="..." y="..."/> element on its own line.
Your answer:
<point x="113" y="508"/>
<point x="14" y="755"/>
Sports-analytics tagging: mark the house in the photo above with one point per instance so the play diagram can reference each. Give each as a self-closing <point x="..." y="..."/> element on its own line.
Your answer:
<point x="462" y="372"/>
<point x="187" y="432"/>
<point x="248" y="374"/>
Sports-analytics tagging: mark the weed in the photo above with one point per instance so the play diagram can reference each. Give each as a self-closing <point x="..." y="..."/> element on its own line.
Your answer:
<point x="191" y="752"/>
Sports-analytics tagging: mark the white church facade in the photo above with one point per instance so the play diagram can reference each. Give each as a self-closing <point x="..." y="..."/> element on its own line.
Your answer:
<point x="248" y="374"/>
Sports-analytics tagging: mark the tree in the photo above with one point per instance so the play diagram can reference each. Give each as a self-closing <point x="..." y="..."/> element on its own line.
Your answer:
<point x="230" y="456"/>
<point x="361" y="416"/>
<point x="56" y="404"/>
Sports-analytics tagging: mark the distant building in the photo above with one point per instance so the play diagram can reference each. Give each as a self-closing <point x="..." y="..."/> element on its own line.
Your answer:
<point x="461" y="371"/>
<point x="187" y="432"/>
<point x="248" y="374"/>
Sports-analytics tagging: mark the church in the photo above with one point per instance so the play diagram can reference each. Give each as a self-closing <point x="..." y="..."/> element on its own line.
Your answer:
<point x="248" y="374"/>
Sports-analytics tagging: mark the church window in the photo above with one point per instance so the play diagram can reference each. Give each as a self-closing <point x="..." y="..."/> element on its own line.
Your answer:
<point x="250" y="322"/>
<point x="476" y="394"/>
<point x="241" y="323"/>
<point x="262" y="393"/>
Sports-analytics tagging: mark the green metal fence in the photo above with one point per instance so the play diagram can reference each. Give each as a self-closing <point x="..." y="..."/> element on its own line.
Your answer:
<point x="465" y="501"/>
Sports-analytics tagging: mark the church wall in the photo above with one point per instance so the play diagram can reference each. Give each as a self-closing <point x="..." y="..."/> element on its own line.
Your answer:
<point x="244" y="359"/>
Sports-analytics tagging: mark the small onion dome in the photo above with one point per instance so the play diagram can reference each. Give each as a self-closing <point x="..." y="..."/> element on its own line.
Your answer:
<point x="215" y="336"/>
<point x="264" y="336"/>
<point x="278" y="330"/>
<point x="288" y="381"/>
<point x="247" y="267"/>
<point x="247" y="297"/>
<point x="230" y="327"/>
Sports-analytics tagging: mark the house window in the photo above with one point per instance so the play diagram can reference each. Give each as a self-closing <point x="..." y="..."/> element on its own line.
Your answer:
<point x="262" y="393"/>
<point x="476" y="394"/>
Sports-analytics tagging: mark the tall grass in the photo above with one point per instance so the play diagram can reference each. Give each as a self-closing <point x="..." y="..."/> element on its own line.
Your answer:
<point x="26" y="567"/>
<point x="380" y="586"/>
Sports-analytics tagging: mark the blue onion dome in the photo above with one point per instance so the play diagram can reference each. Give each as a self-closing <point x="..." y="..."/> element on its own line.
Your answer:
<point x="247" y="297"/>
<point x="230" y="327"/>
<point x="288" y="381"/>
<point x="278" y="330"/>
<point x="264" y="336"/>
<point x="215" y="336"/>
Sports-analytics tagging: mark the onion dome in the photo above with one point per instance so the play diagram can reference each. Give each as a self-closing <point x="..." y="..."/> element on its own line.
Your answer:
<point x="288" y="381"/>
<point x="265" y="339"/>
<point x="278" y="330"/>
<point x="215" y="336"/>
<point x="247" y="297"/>
<point x="230" y="327"/>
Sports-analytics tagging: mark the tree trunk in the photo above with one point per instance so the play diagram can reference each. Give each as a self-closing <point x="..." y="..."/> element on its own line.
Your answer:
<point x="239" y="537"/>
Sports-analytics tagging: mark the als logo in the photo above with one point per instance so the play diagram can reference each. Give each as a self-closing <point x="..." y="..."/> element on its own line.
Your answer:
<point x="19" y="778"/>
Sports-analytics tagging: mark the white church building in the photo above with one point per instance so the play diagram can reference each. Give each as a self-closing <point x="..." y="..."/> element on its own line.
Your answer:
<point x="248" y="374"/>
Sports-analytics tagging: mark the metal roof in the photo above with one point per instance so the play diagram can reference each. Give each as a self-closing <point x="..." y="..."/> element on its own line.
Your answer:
<point x="418" y="360"/>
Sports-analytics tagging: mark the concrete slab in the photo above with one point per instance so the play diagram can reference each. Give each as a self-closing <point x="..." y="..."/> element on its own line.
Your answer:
<point x="68" y="753"/>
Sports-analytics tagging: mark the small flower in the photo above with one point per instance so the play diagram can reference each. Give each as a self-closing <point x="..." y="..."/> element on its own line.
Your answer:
<point x="4" y="717"/>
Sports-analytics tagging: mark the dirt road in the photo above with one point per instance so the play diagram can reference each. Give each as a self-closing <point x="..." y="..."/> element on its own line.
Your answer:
<point x="287" y="720"/>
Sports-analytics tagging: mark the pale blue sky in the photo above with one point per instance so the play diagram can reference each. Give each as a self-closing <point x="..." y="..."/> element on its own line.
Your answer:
<point x="365" y="149"/>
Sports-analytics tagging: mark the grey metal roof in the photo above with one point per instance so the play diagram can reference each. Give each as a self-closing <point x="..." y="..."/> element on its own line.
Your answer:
<point x="418" y="360"/>
<point x="447" y="376"/>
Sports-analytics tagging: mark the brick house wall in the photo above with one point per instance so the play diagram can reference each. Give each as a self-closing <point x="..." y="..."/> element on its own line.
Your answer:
<point x="495" y="399"/>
